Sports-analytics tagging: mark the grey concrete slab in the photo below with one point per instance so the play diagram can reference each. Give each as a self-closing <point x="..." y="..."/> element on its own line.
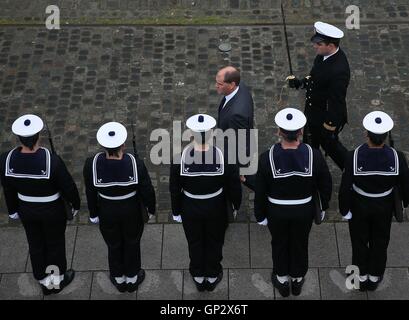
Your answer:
<point x="322" y="246"/>
<point x="175" y="254"/>
<point x="333" y="287"/>
<point x="19" y="286"/>
<point x="344" y="244"/>
<point x="398" y="252"/>
<point x="78" y="289"/>
<point x="310" y="289"/>
<point x="251" y="284"/>
<point x="103" y="289"/>
<point x="90" y="251"/>
<point x="260" y="247"/>
<point x="151" y="246"/>
<point x="190" y="291"/>
<point x="236" y="246"/>
<point x="161" y="285"/>
<point x="395" y="286"/>
<point x="13" y="250"/>
<point x="70" y="234"/>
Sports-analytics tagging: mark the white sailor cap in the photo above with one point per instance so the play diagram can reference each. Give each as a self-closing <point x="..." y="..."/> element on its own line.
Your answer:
<point x="201" y="123"/>
<point x="378" y="122"/>
<point x="326" y="32"/>
<point x="290" y="119"/>
<point x="112" y="135"/>
<point x="27" y="125"/>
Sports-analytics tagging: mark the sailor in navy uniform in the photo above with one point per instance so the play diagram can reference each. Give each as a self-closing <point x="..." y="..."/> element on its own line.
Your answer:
<point x="326" y="89"/>
<point x="288" y="175"/>
<point x="35" y="182"/>
<point x="365" y="197"/>
<point x="199" y="185"/>
<point x="116" y="183"/>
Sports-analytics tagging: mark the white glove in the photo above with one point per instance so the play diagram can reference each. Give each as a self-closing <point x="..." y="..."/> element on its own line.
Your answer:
<point x="263" y="223"/>
<point x="177" y="218"/>
<point x="151" y="216"/>
<point x="74" y="212"/>
<point x="14" y="216"/>
<point x="235" y="214"/>
<point x="348" y="216"/>
<point x="94" y="220"/>
<point x="322" y="215"/>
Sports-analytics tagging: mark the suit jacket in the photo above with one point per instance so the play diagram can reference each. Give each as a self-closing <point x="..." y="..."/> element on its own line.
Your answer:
<point x="327" y="89"/>
<point x="238" y="113"/>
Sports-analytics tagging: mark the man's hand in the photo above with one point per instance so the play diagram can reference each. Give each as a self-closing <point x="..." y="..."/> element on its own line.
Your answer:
<point x="328" y="127"/>
<point x="242" y="179"/>
<point x="322" y="215"/>
<point x="14" y="216"/>
<point x="94" y="220"/>
<point x="74" y="212"/>
<point x="293" y="81"/>
<point x="151" y="216"/>
<point x="263" y="223"/>
<point x="348" y="216"/>
<point x="177" y="218"/>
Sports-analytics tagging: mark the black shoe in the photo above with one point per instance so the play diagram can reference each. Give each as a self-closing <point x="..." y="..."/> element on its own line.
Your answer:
<point x="200" y="286"/>
<point x="372" y="286"/>
<point x="120" y="286"/>
<point x="132" y="287"/>
<point x="363" y="285"/>
<point x="283" y="288"/>
<point x="212" y="286"/>
<point x="296" y="287"/>
<point x="46" y="291"/>
<point x="68" y="277"/>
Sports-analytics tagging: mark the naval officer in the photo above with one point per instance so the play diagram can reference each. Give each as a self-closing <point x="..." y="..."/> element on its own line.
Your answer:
<point x="326" y="88"/>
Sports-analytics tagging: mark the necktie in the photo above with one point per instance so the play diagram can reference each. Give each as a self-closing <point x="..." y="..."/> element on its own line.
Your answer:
<point x="222" y="104"/>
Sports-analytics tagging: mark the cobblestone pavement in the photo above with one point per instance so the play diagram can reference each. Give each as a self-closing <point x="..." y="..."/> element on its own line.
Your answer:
<point x="79" y="77"/>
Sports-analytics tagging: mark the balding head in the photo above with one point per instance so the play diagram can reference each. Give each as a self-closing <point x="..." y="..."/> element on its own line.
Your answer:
<point x="227" y="80"/>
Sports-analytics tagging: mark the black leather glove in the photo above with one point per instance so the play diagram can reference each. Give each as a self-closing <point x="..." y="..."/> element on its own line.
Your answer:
<point x="294" y="82"/>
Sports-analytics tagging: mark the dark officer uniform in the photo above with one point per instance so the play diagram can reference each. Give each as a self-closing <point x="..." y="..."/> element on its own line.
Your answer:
<point x="198" y="192"/>
<point x="34" y="186"/>
<point x="114" y="189"/>
<point x="285" y="182"/>
<point x="326" y="89"/>
<point x="366" y="198"/>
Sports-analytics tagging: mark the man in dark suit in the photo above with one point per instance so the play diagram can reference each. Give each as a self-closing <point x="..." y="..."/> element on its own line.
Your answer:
<point x="326" y="85"/>
<point x="236" y="112"/>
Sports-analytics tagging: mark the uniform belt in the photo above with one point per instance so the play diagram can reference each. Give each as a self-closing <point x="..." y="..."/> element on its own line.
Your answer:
<point x="126" y="196"/>
<point x="289" y="202"/>
<point x="371" y="195"/>
<point x="203" y="196"/>
<point x="39" y="199"/>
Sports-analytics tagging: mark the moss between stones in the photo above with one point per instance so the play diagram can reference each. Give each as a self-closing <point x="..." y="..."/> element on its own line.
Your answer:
<point x="212" y="20"/>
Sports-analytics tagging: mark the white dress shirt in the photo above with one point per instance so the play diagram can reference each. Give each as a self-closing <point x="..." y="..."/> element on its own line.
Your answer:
<point x="230" y="96"/>
<point x="326" y="57"/>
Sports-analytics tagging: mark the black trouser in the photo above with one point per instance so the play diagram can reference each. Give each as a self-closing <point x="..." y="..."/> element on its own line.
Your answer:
<point x="370" y="232"/>
<point x="319" y="136"/>
<point x="122" y="226"/>
<point x="205" y="229"/>
<point x="290" y="227"/>
<point x="45" y="225"/>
